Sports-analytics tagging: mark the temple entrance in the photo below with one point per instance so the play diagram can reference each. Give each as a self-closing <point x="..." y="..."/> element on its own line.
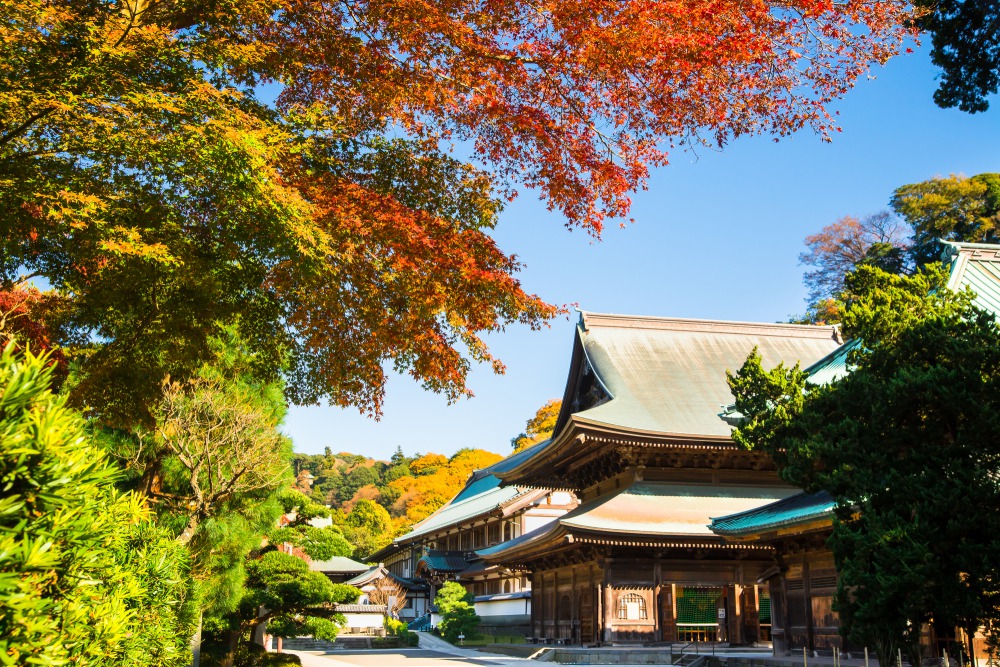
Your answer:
<point x="698" y="613"/>
<point x="764" y="615"/>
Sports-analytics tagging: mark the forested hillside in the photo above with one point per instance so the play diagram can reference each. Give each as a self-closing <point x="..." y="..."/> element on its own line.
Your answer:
<point x="373" y="501"/>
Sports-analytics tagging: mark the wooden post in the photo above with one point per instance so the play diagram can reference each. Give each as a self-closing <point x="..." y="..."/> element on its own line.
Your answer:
<point x="609" y="619"/>
<point x="899" y="657"/>
<point x="866" y="656"/>
<point x="944" y="658"/>
<point x="805" y="657"/>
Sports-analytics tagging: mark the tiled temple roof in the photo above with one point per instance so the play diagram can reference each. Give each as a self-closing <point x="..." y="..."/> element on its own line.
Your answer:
<point x="649" y="510"/>
<point x="667" y="375"/>
<point x="798" y="509"/>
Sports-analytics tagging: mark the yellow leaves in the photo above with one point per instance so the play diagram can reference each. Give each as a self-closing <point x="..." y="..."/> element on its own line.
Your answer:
<point x="128" y="242"/>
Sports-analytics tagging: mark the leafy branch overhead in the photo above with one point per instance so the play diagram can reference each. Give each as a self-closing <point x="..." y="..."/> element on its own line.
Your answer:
<point x="283" y="165"/>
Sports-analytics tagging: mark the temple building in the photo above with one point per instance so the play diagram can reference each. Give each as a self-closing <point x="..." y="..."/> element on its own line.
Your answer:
<point x="443" y="547"/>
<point x="641" y="443"/>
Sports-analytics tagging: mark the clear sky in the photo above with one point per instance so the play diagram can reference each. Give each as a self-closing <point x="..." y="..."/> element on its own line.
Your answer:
<point x="717" y="236"/>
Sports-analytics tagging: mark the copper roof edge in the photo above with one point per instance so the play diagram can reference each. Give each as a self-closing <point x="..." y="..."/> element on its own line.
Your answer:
<point x="972" y="247"/>
<point x="610" y="320"/>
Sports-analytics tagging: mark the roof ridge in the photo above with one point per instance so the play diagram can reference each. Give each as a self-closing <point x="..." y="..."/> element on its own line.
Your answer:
<point x="959" y="246"/>
<point x="616" y="321"/>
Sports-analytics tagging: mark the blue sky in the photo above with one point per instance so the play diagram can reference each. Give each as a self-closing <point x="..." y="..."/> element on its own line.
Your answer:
<point x="717" y="236"/>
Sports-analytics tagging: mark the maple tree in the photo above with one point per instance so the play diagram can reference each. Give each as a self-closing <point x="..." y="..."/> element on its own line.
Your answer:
<point x="145" y="172"/>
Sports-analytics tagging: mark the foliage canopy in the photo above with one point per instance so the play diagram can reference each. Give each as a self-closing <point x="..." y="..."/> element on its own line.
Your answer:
<point x="146" y="171"/>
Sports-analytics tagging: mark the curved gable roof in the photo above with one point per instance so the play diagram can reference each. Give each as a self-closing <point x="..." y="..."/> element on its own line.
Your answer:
<point x="667" y="375"/>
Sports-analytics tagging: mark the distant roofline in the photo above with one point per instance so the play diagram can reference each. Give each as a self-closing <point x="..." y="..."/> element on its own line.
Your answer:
<point x="589" y="320"/>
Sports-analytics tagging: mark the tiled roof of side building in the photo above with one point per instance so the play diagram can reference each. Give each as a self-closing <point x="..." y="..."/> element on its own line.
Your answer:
<point x="338" y="564"/>
<point x="490" y="497"/>
<point x="667" y="375"/>
<point x="975" y="265"/>
<point x="481" y="494"/>
<point x="444" y="561"/>
<point x="797" y="509"/>
<point x="657" y="509"/>
<point x="378" y="572"/>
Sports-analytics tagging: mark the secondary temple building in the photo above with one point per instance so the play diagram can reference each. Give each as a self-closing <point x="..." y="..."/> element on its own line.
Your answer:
<point x="641" y="443"/>
<point x="443" y="547"/>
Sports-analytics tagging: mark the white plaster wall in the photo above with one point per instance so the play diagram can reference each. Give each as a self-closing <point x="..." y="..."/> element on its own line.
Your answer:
<point x="364" y="620"/>
<point x="503" y="607"/>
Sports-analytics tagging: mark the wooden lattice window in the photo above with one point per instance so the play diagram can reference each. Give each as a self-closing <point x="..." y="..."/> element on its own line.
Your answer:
<point x="632" y="607"/>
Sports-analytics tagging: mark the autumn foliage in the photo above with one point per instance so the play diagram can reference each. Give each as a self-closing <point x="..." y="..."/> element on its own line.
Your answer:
<point x="284" y="164"/>
<point x="410" y="488"/>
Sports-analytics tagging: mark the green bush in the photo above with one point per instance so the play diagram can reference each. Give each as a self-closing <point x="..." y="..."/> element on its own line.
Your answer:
<point x="400" y="629"/>
<point x="86" y="577"/>
<point x="247" y="655"/>
<point x="458" y="613"/>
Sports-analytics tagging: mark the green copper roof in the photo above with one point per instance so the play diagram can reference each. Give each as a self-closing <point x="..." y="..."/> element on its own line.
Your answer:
<point x="667" y="375"/>
<point x="831" y="367"/>
<point x="977" y="266"/>
<point x="480" y="495"/>
<point x="477" y="498"/>
<point x="800" y="508"/>
<point x="660" y="509"/>
<point x="444" y="561"/>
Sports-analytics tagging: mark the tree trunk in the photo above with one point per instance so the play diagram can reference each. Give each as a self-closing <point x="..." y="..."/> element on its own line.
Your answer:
<point x="196" y="644"/>
<point x="232" y="641"/>
<point x="188" y="533"/>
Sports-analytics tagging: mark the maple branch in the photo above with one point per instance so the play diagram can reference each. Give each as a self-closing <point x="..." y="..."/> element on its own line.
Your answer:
<point x="23" y="127"/>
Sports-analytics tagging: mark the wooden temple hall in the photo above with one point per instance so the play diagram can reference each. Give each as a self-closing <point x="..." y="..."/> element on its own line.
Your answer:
<point x="641" y="443"/>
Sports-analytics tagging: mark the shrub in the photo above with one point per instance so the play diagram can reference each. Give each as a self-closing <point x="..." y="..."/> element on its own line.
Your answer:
<point x="401" y="630"/>
<point x="86" y="577"/>
<point x="458" y="614"/>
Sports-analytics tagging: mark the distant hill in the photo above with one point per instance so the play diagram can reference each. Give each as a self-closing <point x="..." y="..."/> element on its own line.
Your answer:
<point x="409" y="488"/>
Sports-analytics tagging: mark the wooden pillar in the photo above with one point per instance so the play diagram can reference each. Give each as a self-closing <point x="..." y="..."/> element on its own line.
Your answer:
<point x="786" y="633"/>
<point x="657" y="600"/>
<point x="609" y="607"/>
<point x="599" y="612"/>
<point x="537" y="603"/>
<point x="670" y="614"/>
<point x="574" y="614"/>
<point x="807" y="603"/>
<point x="736" y="623"/>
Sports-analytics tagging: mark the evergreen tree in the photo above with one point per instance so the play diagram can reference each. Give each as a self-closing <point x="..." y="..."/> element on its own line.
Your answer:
<point x="902" y="442"/>
<point x="86" y="576"/>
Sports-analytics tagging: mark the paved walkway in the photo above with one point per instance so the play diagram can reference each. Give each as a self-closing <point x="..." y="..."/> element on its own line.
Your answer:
<point x="433" y="652"/>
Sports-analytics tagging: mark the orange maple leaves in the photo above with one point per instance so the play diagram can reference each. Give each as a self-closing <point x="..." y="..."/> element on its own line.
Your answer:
<point x="334" y="226"/>
<point x="575" y="98"/>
